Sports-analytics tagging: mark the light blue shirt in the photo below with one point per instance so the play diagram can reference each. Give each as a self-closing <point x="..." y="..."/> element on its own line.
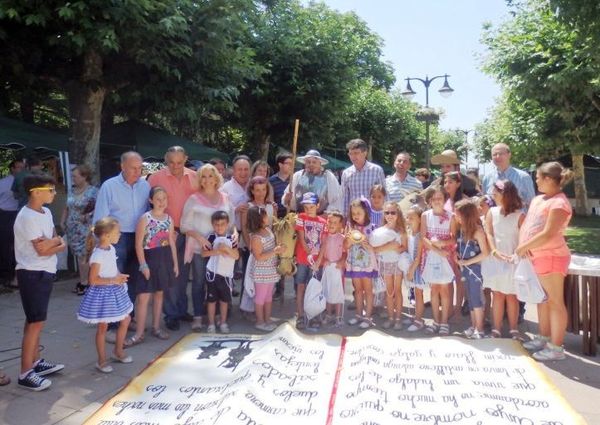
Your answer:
<point x="519" y="178"/>
<point x="120" y="200"/>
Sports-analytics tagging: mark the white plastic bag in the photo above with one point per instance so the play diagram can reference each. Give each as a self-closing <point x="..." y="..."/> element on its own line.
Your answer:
<point x="437" y="269"/>
<point x="492" y="267"/>
<point x="314" y="300"/>
<point x="529" y="288"/>
<point x="247" y="301"/>
<point x="333" y="284"/>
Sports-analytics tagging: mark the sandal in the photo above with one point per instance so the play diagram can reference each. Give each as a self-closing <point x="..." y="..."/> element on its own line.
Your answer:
<point x="444" y="329"/>
<point x="4" y="379"/>
<point x="133" y="340"/>
<point x="433" y="328"/>
<point x="516" y="335"/>
<point x="79" y="289"/>
<point x="160" y="334"/>
<point x="495" y="334"/>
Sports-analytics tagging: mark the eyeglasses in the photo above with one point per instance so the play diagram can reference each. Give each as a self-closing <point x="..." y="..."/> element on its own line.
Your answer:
<point x="49" y="189"/>
<point x="390" y="212"/>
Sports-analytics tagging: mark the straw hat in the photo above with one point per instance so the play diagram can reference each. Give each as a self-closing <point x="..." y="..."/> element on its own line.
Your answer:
<point x="446" y="157"/>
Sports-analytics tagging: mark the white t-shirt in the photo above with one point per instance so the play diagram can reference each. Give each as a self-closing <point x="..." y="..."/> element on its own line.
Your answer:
<point x="29" y="226"/>
<point x="107" y="258"/>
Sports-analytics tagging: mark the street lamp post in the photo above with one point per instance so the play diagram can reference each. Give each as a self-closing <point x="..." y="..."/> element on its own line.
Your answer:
<point x="409" y="93"/>
<point x="466" y="133"/>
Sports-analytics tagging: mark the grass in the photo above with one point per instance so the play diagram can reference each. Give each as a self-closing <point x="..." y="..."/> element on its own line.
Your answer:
<point x="583" y="235"/>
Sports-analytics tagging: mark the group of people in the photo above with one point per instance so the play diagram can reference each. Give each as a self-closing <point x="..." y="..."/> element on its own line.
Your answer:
<point x="138" y="240"/>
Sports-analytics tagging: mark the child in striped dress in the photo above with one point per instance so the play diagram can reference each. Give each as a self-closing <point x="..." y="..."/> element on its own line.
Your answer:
<point x="106" y="300"/>
<point x="264" y="272"/>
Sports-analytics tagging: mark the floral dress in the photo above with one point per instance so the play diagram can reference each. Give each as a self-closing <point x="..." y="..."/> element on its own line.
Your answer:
<point x="79" y="218"/>
<point x="361" y="262"/>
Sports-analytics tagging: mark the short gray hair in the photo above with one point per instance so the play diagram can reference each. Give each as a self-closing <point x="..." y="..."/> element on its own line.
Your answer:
<point x="125" y="156"/>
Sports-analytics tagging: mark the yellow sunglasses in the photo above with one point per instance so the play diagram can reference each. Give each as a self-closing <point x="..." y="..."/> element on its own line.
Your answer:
<point x="50" y="189"/>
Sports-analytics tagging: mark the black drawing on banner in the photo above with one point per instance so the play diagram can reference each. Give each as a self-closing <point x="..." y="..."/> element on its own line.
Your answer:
<point x="235" y="356"/>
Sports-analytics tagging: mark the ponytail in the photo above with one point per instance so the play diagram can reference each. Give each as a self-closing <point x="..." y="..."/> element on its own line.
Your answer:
<point x="101" y="227"/>
<point x="556" y="172"/>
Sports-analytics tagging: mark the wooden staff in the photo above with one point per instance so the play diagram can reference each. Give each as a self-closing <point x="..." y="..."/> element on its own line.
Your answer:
<point x="294" y="149"/>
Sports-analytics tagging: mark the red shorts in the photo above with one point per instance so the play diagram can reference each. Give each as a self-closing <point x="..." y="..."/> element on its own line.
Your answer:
<point x="547" y="265"/>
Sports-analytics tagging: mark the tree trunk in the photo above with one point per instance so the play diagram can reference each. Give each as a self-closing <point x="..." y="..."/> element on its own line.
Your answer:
<point x="581" y="201"/>
<point x="263" y="147"/>
<point x="86" y="97"/>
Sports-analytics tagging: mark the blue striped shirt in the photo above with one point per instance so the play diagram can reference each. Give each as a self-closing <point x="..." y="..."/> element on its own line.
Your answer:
<point x="120" y="200"/>
<point x="397" y="189"/>
<point x="357" y="183"/>
<point x="519" y="178"/>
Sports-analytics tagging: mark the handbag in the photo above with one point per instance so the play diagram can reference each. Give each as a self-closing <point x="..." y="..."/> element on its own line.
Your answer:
<point x="529" y="288"/>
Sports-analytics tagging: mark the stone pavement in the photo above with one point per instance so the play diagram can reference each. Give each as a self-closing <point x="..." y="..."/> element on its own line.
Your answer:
<point x="79" y="390"/>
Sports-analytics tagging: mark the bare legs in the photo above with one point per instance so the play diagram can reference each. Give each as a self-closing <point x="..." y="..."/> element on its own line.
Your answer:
<point x="552" y="315"/>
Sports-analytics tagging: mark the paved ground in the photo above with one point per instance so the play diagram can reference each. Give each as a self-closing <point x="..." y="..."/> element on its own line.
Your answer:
<point x="79" y="390"/>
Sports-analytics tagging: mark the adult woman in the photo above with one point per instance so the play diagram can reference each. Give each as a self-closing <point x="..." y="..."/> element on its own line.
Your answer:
<point x="452" y="183"/>
<point x="196" y="225"/>
<point x="541" y="239"/>
<point x="77" y="219"/>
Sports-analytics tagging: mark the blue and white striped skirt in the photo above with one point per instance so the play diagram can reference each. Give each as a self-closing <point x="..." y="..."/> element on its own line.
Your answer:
<point x="105" y="304"/>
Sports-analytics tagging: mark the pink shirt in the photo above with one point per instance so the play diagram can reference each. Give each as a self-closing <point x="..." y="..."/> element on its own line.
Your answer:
<point x="334" y="248"/>
<point x="178" y="190"/>
<point x="536" y="219"/>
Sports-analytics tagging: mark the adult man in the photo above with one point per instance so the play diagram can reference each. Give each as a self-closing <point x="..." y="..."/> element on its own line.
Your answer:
<point x="9" y="206"/>
<point x="504" y="171"/>
<point x="125" y="197"/>
<point x="281" y="179"/>
<point x="180" y="183"/>
<point x="358" y="179"/>
<point x="400" y="184"/>
<point x="448" y="161"/>
<point x="315" y="179"/>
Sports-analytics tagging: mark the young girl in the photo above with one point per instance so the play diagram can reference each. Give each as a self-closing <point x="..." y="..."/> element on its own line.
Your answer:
<point x="377" y="199"/>
<point x="472" y="248"/>
<point x="361" y="266"/>
<point x="157" y="255"/>
<point x="106" y="301"/>
<point x="413" y="276"/>
<point x="437" y="231"/>
<point x="541" y="238"/>
<point x="389" y="242"/>
<point x="264" y="270"/>
<point x="502" y="225"/>
<point x="333" y="258"/>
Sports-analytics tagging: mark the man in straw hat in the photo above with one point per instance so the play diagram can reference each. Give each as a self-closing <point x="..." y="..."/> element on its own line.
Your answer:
<point x="448" y="161"/>
<point x="315" y="179"/>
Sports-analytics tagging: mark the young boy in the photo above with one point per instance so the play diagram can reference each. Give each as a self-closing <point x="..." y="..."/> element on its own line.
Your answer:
<point x="36" y="245"/>
<point x="333" y="259"/>
<point x="223" y="255"/>
<point x="311" y="230"/>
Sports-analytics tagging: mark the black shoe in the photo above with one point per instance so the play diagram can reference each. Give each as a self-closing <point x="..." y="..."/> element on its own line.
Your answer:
<point x="172" y="324"/>
<point x="44" y="368"/>
<point x="79" y="289"/>
<point x="187" y="317"/>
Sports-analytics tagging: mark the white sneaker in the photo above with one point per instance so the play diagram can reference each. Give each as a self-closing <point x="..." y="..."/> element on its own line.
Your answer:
<point x="536" y="344"/>
<point x="551" y="352"/>
<point x="224" y="328"/>
<point x="366" y="323"/>
<point x="211" y="329"/>
<point x="197" y="324"/>
<point x="469" y="332"/>
<point x="416" y="326"/>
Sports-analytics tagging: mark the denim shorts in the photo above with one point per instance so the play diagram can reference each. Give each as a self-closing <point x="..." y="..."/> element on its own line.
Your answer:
<point x="304" y="273"/>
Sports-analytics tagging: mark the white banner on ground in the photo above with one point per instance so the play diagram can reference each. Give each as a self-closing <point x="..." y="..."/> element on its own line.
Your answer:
<point x="289" y="378"/>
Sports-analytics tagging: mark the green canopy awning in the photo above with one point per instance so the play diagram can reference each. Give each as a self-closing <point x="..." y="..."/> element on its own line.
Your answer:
<point x="151" y="142"/>
<point x="335" y="164"/>
<point x="21" y="136"/>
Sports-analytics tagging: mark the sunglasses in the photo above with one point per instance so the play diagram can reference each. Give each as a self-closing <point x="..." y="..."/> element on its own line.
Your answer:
<point x="49" y="189"/>
<point x="390" y="212"/>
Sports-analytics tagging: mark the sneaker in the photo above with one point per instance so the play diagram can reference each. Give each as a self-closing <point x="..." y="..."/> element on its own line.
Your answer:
<point x="468" y="333"/>
<point x="408" y="320"/>
<point x="398" y="325"/>
<point x="104" y="369"/>
<point x="43" y="368"/>
<point x="415" y="326"/>
<point x="338" y="323"/>
<point x="111" y="337"/>
<point x="355" y="320"/>
<point x="267" y="327"/>
<point x="476" y="335"/>
<point x="366" y="323"/>
<point x="34" y="382"/>
<point x="551" y="352"/>
<point x="536" y="344"/>
<point x="197" y="324"/>
<point x="224" y="328"/>
<point x="387" y="324"/>
<point x="211" y="329"/>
